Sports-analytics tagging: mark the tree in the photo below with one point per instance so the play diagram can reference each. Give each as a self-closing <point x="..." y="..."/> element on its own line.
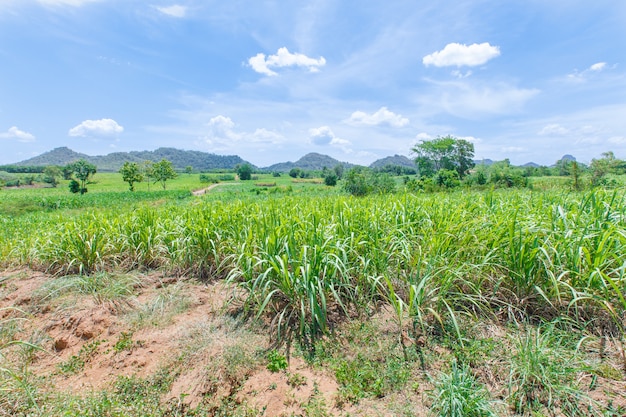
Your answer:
<point x="244" y="171"/>
<point x="294" y="172"/>
<point x="162" y="171"/>
<point x="82" y="170"/>
<point x="189" y="169"/>
<point x="608" y="164"/>
<point x="51" y="175"/>
<point x="131" y="174"/>
<point x="147" y="171"/>
<point x="447" y="153"/>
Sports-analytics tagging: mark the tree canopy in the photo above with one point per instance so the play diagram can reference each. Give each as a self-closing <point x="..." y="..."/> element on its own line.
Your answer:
<point x="131" y="174"/>
<point x="448" y="153"/>
<point x="162" y="171"/>
<point x="82" y="170"/>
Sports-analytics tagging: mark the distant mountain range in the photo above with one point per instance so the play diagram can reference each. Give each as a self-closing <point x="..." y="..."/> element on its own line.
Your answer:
<point x="203" y="161"/>
<point x="199" y="161"/>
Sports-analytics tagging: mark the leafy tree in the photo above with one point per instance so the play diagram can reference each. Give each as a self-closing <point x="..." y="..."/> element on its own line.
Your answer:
<point x="338" y="171"/>
<point x="189" y="169"/>
<point x="82" y="170"/>
<point x="147" y="171"/>
<point x="330" y="177"/>
<point x="294" y="172"/>
<point x="447" y="153"/>
<point x="51" y="175"/>
<point x="131" y="174"/>
<point x="245" y="172"/>
<point x="360" y="181"/>
<point x="447" y="178"/>
<point x="608" y="164"/>
<point x="356" y="182"/>
<point x="162" y="171"/>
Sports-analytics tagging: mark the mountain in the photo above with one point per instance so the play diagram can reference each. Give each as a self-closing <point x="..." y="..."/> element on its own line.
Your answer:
<point x="310" y="162"/>
<point x="58" y="156"/>
<point x="200" y="161"/>
<point x="396" y="160"/>
<point x="485" y="162"/>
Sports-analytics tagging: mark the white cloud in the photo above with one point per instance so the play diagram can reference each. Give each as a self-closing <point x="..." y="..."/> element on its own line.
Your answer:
<point x="598" y="66"/>
<point x="102" y="127"/>
<point x="324" y="136"/>
<point x="456" y="54"/>
<point x="263" y="135"/>
<point x="74" y="3"/>
<point x="382" y="116"/>
<point x="20" y="135"/>
<point x="582" y="76"/>
<point x="262" y="64"/>
<point x="175" y="10"/>
<point x="553" y="129"/>
<point x="423" y="136"/>
<point x="223" y="131"/>
<point x="617" y="140"/>
<point x="222" y="127"/>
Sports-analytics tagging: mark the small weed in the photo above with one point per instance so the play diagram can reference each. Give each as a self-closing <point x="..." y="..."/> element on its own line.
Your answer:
<point x="125" y="342"/>
<point x="276" y="361"/>
<point x="458" y="394"/>
<point x="365" y="378"/>
<point x="76" y="363"/>
<point x="295" y="379"/>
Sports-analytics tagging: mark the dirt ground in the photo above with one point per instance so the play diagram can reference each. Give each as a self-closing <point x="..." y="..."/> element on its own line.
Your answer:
<point x="88" y="342"/>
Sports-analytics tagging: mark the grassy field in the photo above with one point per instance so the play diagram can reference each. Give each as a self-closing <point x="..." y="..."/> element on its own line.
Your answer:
<point x="276" y="291"/>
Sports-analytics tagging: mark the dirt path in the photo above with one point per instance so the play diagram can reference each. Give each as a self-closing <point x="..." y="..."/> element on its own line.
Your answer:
<point x="209" y="188"/>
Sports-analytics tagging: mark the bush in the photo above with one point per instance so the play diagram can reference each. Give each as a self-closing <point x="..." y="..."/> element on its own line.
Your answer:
<point x="331" y="179"/>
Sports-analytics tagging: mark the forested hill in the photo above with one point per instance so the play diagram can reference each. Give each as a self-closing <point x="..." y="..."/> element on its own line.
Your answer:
<point x="200" y="161"/>
<point x="396" y="160"/>
<point x="310" y="161"/>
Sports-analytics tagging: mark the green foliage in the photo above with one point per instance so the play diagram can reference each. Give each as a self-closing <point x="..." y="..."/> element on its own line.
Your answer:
<point x="75" y="187"/>
<point x="447" y="178"/>
<point x="162" y="171"/>
<point x="52" y="174"/>
<point x="131" y="174"/>
<point x="276" y="362"/>
<point x="542" y="375"/>
<point x="209" y="179"/>
<point x="360" y="181"/>
<point x="244" y="172"/>
<point x="364" y="378"/>
<point x="82" y="171"/>
<point x="76" y="363"/>
<point x="294" y="172"/>
<point x="459" y="394"/>
<point x="447" y="153"/>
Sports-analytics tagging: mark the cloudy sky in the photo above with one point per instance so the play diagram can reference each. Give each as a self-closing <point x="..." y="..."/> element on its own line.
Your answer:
<point x="271" y="80"/>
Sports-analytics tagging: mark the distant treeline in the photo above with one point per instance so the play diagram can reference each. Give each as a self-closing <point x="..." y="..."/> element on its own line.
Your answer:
<point x="22" y="169"/>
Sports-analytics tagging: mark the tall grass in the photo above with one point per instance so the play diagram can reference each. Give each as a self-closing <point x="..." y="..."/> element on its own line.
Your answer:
<point x="306" y="261"/>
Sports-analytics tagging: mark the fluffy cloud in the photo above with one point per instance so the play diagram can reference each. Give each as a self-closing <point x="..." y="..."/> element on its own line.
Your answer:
<point x="223" y="131"/>
<point x="456" y="54"/>
<point x="222" y="127"/>
<point x="382" y="116"/>
<point x="175" y="11"/>
<point x="102" y="127"/>
<point x="20" y="135"/>
<point x="283" y="58"/>
<point x="324" y="136"/>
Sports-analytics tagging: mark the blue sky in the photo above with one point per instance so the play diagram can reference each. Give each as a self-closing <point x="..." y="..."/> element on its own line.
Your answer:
<point x="528" y="80"/>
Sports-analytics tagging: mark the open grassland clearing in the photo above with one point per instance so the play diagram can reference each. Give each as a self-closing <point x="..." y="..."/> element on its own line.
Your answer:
<point x="508" y="302"/>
